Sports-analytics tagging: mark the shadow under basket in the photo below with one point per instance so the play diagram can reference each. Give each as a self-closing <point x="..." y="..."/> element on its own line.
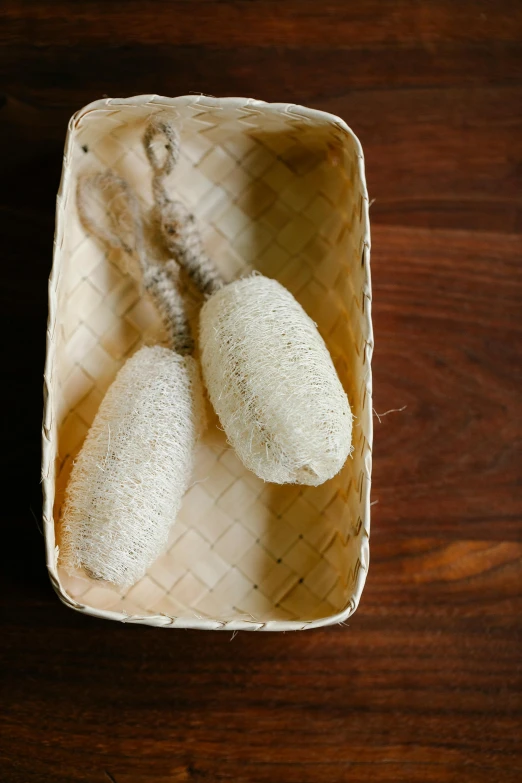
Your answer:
<point x="276" y="188"/>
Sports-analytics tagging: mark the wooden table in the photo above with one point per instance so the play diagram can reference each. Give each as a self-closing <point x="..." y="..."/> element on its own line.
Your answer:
<point x="424" y="684"/>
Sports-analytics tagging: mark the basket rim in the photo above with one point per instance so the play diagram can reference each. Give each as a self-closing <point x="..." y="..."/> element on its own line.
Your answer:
<point x="295" y="110"/>
<point x="298" y="112"/>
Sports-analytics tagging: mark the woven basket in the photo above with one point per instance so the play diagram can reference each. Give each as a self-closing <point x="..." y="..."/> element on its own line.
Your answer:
<point x="278" y="188"/>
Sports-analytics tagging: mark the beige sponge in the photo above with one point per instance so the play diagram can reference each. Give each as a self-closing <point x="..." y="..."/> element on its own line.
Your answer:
<point x="130" y="476"/>
<point x="272" y="382"/>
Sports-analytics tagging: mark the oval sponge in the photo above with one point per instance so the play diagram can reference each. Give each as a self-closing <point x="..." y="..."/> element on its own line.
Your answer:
<point x="272" y="382"/>
<point x="134" y="467"/>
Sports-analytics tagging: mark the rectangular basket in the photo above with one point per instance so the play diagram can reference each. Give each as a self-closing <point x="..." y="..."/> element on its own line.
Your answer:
<point x="276" y="188"/>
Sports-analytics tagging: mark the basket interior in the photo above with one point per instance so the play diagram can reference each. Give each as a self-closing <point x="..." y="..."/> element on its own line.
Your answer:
<point x="274" y="193"/>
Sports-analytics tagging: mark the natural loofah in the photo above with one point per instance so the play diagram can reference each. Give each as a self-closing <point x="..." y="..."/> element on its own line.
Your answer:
<point x="267" y="369"/>
<point x="129" y="479"/>
<point x="273" y="384"/>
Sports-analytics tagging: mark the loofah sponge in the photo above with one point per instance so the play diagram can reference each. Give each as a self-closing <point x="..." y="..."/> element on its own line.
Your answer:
<point x="267" y="369"/>
<point x="134" y="467"/>
<point x="272" y="383"/>
<point x="129" y="479"/>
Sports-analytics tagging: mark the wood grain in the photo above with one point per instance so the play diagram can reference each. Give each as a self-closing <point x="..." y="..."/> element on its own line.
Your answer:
<point x="425" y="683"/>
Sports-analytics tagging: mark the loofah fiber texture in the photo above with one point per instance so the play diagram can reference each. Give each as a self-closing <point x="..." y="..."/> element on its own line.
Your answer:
<point x="276" y="189"/>
<point x="129" y="479"/>
<point x="133" y="469"/>
<point x="273" y="384"/>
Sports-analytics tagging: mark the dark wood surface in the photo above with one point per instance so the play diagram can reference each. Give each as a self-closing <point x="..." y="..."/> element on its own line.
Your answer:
<point x="424" y="684"/>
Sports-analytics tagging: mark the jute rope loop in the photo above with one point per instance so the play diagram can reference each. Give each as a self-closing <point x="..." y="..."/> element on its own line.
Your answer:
<point x="177" y="224"/>
<point x="110" y="211"/>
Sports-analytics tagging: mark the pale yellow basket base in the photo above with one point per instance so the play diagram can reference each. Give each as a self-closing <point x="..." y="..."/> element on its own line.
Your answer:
<point x="279" y="190"/>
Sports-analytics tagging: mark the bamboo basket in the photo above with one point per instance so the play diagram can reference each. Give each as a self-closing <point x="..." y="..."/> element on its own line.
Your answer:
<point x="277" y="188"/>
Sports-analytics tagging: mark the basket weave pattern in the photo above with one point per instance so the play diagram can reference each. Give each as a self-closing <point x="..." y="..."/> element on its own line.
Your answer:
<point x="279" y="189"/>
